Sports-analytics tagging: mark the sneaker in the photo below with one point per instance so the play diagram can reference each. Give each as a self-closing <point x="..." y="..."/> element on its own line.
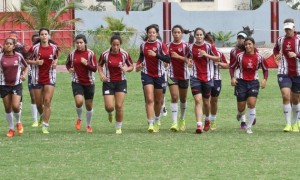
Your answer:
<point x="20" y="128"/>
<point x="45" y="130"/>
<point x="238" y="117"/>
<point x="110" y="118"/>
<point x="206" y="125"/>
<point x="249" y="131"/>
<point x="287" y="128"/>
<point x="150" y="128"/>
<point x="78" y="124"/>
<point x="295" y="128"/>
<point x="156" y="127"/>
<point x="89" y="129"/>
<point x="254" y="122"/>
<point x="174" y="127"/>
<point x="164" y="111"/>
<point x="41" y="122"/>
<point x="118" y="131"/>
<point x="199" y="129"/>
<point x="243" y="125"/>
<point x="10" y="133"/>
<point x="213" y="125"/>
<point x="35" y="124"/>
<point x="182" y="126"/>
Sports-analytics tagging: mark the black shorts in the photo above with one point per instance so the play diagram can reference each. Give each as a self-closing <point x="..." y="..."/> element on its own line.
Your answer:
<point x="30" y="85"/>
<point x="284" y="81"/>
<point x="182" y="84"/>
<point x="86" y="91"/>
<point x="199" y="87"/>
<point x="158" y="83"/>
<point x="216" y="89"/>
<point x="110" y="88"/>
<point x="295" y="84"/>
<point x="245" y="89"/>
<point x="40" y="86"/>
<point x="15" y="90"/>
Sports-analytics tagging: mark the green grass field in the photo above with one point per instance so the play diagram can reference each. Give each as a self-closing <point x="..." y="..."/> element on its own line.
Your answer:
<point x="227" y="153"/>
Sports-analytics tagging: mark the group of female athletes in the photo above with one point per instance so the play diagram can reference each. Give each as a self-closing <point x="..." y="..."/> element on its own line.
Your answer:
<point x="196" y="64"/>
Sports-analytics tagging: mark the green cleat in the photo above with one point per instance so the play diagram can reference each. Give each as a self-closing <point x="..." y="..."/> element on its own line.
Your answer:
<point x="111" y="118"/>
<point x="41" y="121"/>
<point x="156" y="127"/>
<point x="174" y="127"/>
<point x="118" y="131"/>
<point x="35" y="124"/>
<point x="182" y="126"/>
<point x="295" y="128"/>
<point x="213" y="125"/>
<point x="150" y="128"/>
<point x="45" y="130"/>
<point x="287" y="128"/>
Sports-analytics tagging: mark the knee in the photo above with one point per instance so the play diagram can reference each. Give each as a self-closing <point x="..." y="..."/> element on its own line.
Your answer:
<point x="109" y="108"/>
<point x="119" y="107"/>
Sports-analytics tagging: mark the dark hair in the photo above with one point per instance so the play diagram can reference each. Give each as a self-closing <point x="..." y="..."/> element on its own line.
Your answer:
<point x="210" y="38"/>
<point x="116" y="36"/>
<point x="44" y="29"/>
<point x="250" y="39"/>
<point x="34" y="36"/>
<point x="50" y="40"/>
<point x="201" y="29"/>
<point x="179" y="27"/>
<point x="81" y="36"/>
<point x="14" y="42"/>
<point x="289" y="20"/>
<point x="156" y="27"/>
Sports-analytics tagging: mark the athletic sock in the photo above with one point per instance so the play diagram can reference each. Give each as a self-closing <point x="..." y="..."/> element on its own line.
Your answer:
<point x="150" y="121"/>
<point x="34" y="112"/>
<point x="182" y="110"/>
<point x="174" y="110"/>
<point x="295" y="109"/>
<point x="118" y="125"/>
<point x="18" y="117"/>
<point x="79" y="112"/>
<point x="10" y="120"/>
<point x="251" y="116"/>
<point x="287" y="109"/>
<point x="157" y="119"/>
<point x="89" y="115"/>
<point x="213" y="117"/>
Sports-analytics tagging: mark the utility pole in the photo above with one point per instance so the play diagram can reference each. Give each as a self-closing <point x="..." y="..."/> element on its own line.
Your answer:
<point x="274" y="20"/>
<point x="166" y="21"/>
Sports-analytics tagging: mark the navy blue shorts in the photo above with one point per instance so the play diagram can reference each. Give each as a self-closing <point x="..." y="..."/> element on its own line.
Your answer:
<point x="158" y="83"/>
<point x="199" y="87"/>
<point x="182" y="84"/>
<point x="86" y="91"/>
<point x="245" y="89"/>
<point x="295" y="84"/>
<point x="216" y="89"/>
<point x="30" y="85"/>
<point x="110" y="88"/>
<point x="15" y="90"/>
<point x="284" y="81"/>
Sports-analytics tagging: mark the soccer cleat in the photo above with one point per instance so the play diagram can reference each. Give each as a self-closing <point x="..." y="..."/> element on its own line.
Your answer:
<point x="213" y="125"/>
<point x="45" y="130"/>
<point x="295" y="128"/>
<point x="118" y="131"/>
<point x="78" y="124"/>
<point x="10" y="133"/>
<point x="89" y="129"/>
<point x="110" y="118"/>
<point x="156" y="127"/>
<point x="150" y="128"/>
<point x="206" y="125"/>
<point x="164" y="111"/>
<point x="174" y="127"/>
<point x="238" y="117"/>
<point x="182" y="126"/>
<point x="287" y="128"/>
<point x="41" y="121"/>
<point x="243" y="125"/>
<point x="254" y="122"/>
<point x="249" y="131"/>
<point x="35" y="124"/>
<point x="20" y="128"/>
<point x="199" y="129"/>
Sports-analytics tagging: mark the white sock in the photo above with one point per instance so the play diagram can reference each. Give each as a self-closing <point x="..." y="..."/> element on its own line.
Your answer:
<point x="45" y="124"/>
<point x="10" y="120"/>
<point x="213" y="117"/>
<point x="251" y="117"/>
<point x="287" y="109"/>
<point x="34" y="112"/>
<point x="174" y="111"/>
<point x="182" y="110"/>
<point x="243" y="118"/>
<point x="150" y="121"/>
<point x="89" y="115"/>
<point x="206" y="118"/>
<point x="296" y="109"/>
<point x="21" y="105"/>
<point x="199" y="123"/>
<point x="118" y="125"/>
<point x="157" y="119"/>
<point x="79" y="112"/>
<point x="18" y="117"/>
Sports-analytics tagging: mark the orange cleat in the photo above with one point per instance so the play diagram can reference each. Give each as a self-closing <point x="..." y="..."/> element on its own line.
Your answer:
<point x="11" y="133"/>
<point x="20" y="128"/>
<point x="78" y="124"/>
<point x="89" y="129"/>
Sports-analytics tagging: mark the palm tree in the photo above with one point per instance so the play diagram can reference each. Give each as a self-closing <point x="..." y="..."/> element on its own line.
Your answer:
<point x="42" y="13"/>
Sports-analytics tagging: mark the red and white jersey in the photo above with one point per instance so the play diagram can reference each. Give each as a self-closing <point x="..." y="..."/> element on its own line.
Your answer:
<point x="203" y="67"/>
<point x="249" y="65"/>
<point x="217" y="74"/>
<point x="83" y="74"/>
<point x="11" y="69"/>
<point x="152" y="65"/>
<point x="287" y="65"/>
<point x="178" y="69"/>
<point x="45" y="73"/>
<point x="111" y="64"/>
<point x="233" y="54"/>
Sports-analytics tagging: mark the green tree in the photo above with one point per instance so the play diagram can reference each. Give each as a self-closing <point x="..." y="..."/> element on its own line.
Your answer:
<point x="224" y="38"/>
<point x="256" y="4"/>
<point x="42" y="13"/>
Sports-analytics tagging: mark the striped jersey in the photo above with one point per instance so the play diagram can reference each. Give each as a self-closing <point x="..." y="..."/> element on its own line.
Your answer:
<point x="217" y="73"/>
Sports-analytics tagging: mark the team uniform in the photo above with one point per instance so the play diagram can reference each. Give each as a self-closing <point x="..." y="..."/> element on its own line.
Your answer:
<point x="217" y="86"/>
<point x="43" y="74"/>
<point x="116" y="79"/>
<point x="233" y="54"/>
<point x="153" y="70"/>
<point x="83" y="76"/>
<point x="202" y="73"/>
